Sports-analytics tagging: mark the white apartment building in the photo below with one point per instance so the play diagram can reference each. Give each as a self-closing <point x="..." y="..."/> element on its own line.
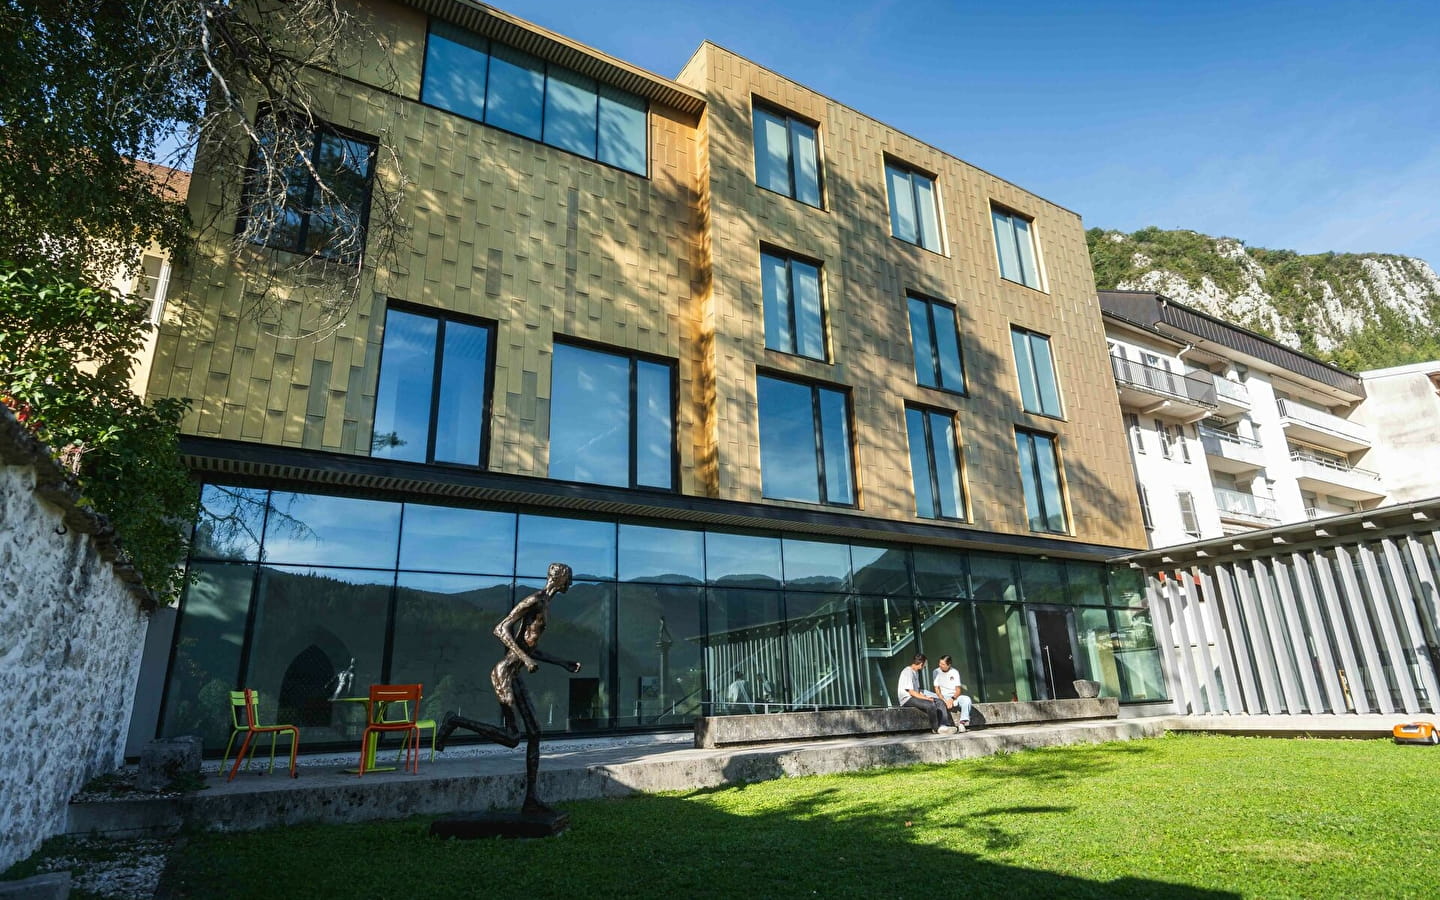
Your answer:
<point x="1402" y="411"/>
<point x="1231" y="431"/>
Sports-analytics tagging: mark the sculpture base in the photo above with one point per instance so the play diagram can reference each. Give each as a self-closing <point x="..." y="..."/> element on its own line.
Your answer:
<point x="501" y="823"/>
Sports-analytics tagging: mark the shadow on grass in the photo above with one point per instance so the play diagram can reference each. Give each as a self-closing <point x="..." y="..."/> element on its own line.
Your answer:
<point x="831" y="843"/>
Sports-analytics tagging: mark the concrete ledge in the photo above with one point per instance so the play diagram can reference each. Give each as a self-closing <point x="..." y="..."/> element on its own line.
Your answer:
<point x="1029" y="711"/>
<point x="765" y="728"/>
<point x="448" y="786"/>
<point x="1319" y="726"/>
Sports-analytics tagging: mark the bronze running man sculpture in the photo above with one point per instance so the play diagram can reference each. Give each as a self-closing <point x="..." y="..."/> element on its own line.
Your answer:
<point x="519" y="631"/>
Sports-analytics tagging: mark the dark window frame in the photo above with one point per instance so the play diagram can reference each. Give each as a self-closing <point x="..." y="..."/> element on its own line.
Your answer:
<point x="790" y="118"/>
<point x="817" y="423"/>
<point x="442" y="317"/>
<point x="544" y="94"/>
<point x="963" y="501"/>
<point x="1031" y="434"/>
<point x="317" y="130"/>
<point x="632" y="357"/>
<point x="932" y="335"/>
<point x="913" y="171"/>
<point x="789" y="256"/>
<point x="1030" y="334"/>
<point x="1010" y="213"/>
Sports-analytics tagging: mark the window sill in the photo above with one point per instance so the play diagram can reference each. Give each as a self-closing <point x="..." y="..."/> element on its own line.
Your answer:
<point x="1041" y="415"/>
<point x="940" y="253"/>
<point x="943" y="391"/>
<point x="803" y="203"/>
<point x="1038" y="290"/>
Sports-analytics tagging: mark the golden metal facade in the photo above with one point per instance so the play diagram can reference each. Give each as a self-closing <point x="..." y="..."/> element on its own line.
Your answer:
<point x="547" y="244"/>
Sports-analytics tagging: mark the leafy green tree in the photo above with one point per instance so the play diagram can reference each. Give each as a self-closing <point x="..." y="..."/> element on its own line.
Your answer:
<point x="78" y="103"/>
<point x="66" y="351"/>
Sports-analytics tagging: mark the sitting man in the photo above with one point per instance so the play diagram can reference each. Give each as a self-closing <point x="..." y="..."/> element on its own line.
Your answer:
<point x="911" y="694"/>
<point x="948" y="686"/>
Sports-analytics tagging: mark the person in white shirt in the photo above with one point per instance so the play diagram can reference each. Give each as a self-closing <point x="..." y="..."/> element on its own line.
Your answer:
<point x="910" y="693"/>
<point x="952" y="691"/>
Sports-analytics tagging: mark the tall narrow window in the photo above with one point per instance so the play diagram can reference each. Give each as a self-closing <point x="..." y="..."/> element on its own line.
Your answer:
<point x="1038" y="391"/>
<point x="805" y="442"/>
<point x="1164" y="431"/>
<point x="611" y="419"/>
<point x="936" y="342"/>
<point x="794" y="318"/>
<point x="432" y="403"/>
<point x="1132" y="424"/>
<point x="326" y="221"/>
<point x="152" y="284"/>
<point x="1145" y="516"/>
<point x="1040" y="475"/>
<point x="1016" y="247"/>
<point x="914" y="207"/>
<point x="935" y="464"/>
<point x="786" y="156"/>
<point x="1188" y="518"/>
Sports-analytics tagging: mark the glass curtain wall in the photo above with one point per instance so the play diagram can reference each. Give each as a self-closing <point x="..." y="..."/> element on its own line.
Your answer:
<point x="288" y="590"/>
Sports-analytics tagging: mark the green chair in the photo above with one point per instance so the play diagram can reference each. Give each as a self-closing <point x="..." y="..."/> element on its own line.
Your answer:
<point x="420" y="724"/>
<point x="244" y="719"/>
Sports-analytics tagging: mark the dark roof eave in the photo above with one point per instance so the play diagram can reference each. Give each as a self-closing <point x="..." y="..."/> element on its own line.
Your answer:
<point x="1173" y="314"/>
<point x="246" y="462"/>
<point x="532" y="38"/>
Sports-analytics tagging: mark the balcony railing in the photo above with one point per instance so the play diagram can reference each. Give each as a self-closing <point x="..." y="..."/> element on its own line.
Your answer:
<point x="1187" y="387"/>
<point x="1239" y="503"/>
<point x="1228" y="438"/>
<point x="1324" y="421"/>
<point x="1233" y="391"/>
<point x="1333" y="464"/>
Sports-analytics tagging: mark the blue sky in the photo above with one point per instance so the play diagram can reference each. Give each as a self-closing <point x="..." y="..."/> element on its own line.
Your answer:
<point x="1309" y="126"/>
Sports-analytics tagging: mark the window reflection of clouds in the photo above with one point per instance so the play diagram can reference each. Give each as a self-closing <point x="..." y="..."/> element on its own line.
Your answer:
<point x="672" y="555"/>
<point x="587" y="547"/>
<point x="742" y="559"/>
<point x="453" y="539"/>
<point x="337" y="531"/>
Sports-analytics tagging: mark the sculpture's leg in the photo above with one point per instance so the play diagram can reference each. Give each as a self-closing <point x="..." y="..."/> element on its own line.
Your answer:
<point x="451" y="722"/>
<point x="532" y="748"/>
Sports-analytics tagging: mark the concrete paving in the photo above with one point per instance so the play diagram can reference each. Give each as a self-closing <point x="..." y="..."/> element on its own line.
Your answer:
<point x="489" y="777"/>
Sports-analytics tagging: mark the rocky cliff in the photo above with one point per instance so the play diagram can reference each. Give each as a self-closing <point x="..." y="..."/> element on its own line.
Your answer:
<point x="1360" y="311"/>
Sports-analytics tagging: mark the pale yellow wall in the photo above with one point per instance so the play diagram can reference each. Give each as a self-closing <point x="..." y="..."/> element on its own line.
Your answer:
<point x="866" y="275"/>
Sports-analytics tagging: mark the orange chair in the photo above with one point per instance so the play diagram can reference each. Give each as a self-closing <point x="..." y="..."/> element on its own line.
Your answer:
<point x="253" y="727"/>
<point x="382" y="695"/>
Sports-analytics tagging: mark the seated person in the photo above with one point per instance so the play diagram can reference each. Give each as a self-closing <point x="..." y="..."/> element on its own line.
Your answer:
<point x="737" y="696"/>
<point x="948" y="686"/>
<point x="912" y="694"/>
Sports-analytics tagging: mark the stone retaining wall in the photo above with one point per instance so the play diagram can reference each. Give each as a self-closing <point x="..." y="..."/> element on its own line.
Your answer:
<point x="72" y="624"/>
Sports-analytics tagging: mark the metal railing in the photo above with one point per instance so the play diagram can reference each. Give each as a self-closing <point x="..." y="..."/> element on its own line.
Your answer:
<point x="1228" y="438"/>
<point x="1239" y="503"/>
<point x="1163" y="381"/>
<point x="1233" y="391"/>
<point x="1324" y="421"/>
<point x="1334" y="464"/>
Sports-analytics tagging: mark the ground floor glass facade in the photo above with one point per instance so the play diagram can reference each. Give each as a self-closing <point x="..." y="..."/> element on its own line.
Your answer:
<point x="288" y="589"/>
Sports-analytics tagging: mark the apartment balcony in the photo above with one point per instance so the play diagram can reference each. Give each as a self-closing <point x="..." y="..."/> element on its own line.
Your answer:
<point x="1226" y="452"/>
<point x="1231" y="397"/>
<point x="1247" y="509"/>
<point x="1322" y="429"/>
<point x="1337" y="478"/>
<point x="1150" y="389"/>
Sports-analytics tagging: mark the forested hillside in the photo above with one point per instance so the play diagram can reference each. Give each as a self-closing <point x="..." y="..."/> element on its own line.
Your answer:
<point x="1359" y="311"/>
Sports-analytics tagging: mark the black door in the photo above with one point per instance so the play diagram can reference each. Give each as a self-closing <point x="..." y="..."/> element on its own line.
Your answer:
<point x="1057" y="652"/>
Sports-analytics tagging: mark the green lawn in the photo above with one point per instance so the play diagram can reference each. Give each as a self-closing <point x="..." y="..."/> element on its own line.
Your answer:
<point x="1176" y="816"/>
